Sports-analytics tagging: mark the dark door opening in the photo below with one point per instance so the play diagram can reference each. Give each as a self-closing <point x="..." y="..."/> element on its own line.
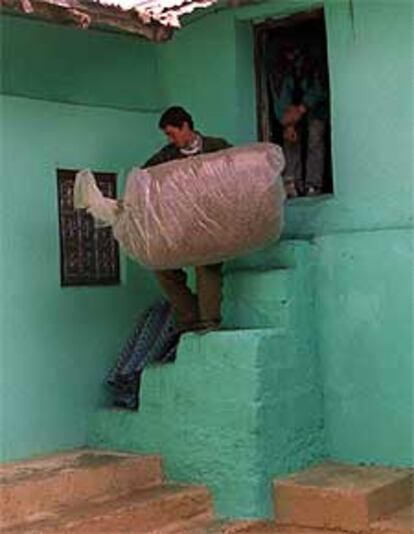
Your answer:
<point x="293" y="99"/>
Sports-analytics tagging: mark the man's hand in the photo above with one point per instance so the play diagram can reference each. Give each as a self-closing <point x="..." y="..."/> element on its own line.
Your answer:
<point x="290" y="134"/>
<point x="293" y="115"/>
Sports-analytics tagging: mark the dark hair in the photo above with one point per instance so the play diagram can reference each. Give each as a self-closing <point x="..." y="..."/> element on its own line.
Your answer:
<point x="175" y="116"/>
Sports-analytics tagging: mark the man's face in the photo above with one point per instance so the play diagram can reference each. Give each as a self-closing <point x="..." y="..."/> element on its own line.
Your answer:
<point x="179" y="136"/>
<point x="291" y="51"/>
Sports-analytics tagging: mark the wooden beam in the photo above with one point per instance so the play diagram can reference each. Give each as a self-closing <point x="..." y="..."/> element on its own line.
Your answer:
<point x="86" y="14"/>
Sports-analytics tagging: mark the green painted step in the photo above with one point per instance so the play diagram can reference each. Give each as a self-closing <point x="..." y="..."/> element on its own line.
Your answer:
<point x="201" y="414"/>
<point x="270" y="288"/>
<point x="258" y="287"/>
<point x="213" y="413"/>
<point x="286" y="254"/>
<point x="257" y="299"/>
<point x="212" y="371"/>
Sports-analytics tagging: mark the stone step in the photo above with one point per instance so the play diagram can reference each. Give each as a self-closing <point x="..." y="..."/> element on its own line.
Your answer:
<point x="201" y="413"/>
<point x="205" y="525"/>
<point x="286" y="254"/>
<point x="200" y="523"/>
<point x="258" y="288"/>
<point x="270" y="289"/>
<point x="208" y="526"/>
<point x="400" y="522"/>
<point x="143" y="511"/>
<point x="303" y="530"/>
<point x="257" y="299"/>
<point x="32" y="488"/>
<point x="274" y="528"/>
<point x="338" y="496"/>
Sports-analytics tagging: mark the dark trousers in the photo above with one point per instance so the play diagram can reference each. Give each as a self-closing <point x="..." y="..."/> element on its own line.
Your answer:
<point x="192" y="311"/>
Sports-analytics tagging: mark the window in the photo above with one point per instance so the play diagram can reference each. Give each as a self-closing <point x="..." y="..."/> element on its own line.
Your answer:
<point x="88" y="255"/>
<point x="293" y="99"/>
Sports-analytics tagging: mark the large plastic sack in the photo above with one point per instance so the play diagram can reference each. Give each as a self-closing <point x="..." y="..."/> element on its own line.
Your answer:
<point x="194" y="211"/>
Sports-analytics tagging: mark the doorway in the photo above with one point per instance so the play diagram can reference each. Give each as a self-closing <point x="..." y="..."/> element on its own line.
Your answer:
<point x="293" y="99"/>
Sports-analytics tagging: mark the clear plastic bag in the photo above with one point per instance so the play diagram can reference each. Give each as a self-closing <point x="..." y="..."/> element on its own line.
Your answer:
<point x="87" y="195"/>
<point x="196" y="211"/>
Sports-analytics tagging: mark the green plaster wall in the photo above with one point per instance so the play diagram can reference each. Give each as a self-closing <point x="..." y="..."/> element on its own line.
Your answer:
<point x="365" y="339"/>
<point x="370" y="48"/>
<point x="52" y="62"/>
<point x="57" y="343"/>
<point x="371" y="66"/>
<point x="198" y="71"/>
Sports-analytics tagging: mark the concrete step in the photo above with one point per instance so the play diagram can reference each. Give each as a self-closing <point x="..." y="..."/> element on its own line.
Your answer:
<point x="201" y="413"/>
<point x="286" y="254"/>
<point x="274" y="528"/>
<point x="30" y="489"/>
<point x="217" y="526"/>
<point x="257" y="299"/>
<point x="304" y="530"/>
<point x="400" y="522"/>
<point x="200" y="523"/>
<point x="143" y="511"/>
<point x="272" y="288"/>
<point x="242" y="527"/>
<point x="338" y="496"/>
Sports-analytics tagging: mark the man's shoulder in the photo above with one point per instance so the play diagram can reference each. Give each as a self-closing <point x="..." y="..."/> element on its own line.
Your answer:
<point x="211" y="144"/>
<point x="167" y="153"/>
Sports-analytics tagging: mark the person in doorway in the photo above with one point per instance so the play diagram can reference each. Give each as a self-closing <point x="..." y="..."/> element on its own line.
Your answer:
<point x="201" y="312"/>
<point x="300" y="101"/>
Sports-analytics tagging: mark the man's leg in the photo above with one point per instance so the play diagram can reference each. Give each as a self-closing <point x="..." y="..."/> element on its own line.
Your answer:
<point x="209" y="282"/>
<point x="292" y="175"/>
<point x="316" y="156"/>
<point x="183" y="301"/>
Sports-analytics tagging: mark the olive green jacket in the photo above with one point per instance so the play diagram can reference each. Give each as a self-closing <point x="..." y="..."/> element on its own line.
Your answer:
<point x="171" y="152"/>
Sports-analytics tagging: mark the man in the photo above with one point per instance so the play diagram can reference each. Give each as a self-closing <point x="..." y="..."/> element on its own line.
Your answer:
<point x="201" y="312"/>
<point x="301" y="107"/>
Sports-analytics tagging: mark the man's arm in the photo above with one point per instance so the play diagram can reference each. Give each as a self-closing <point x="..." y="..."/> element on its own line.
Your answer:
<point x="162" y="156"/>
<point x="224" y="144"/>
<point x="214" y="144"/>
<point x="169" y="152"/>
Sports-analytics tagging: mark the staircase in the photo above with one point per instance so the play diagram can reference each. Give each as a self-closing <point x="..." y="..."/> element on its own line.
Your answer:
<point x="87" y="492"/>
<point x="240" y="405"/>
